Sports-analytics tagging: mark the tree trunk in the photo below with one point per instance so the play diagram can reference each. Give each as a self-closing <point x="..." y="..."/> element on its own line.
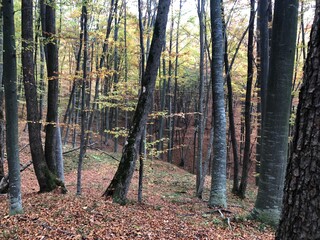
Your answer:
<point x="262" y="71"/>
<point x="200" y="127"/>
<point x="2" y="130"/>
<point x="11" y="107"/>
<point x="232" y="128"/>
<point x="300" y="214"/>
<point x="119" y="185"/>
<point x="247" y="113"/>
<point x="83" y="146"/>
<point x="219" y="176"/>
<point x="48" y="20"/>
<point x="44" y="176"/>
<point x="276" y="125"/>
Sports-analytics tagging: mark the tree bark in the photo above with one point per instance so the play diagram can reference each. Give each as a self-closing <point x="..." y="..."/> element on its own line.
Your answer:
<point x="2" y="130"/>
<point x="276" y="125"/>
<point x="247" y="113"/>
<point x="44" y="176"/>
<point x="48" y="21"/>
<point x="300" y="214"/>
<point x="120" y="183"/>
<point x="219" y="176"/>
<point x="200" y="127"/>
<point x="83" y="145"/>
<point x="11" y="107"/>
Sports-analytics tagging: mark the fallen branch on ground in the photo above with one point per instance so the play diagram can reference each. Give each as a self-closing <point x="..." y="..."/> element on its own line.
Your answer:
<point x="4" y="183"/>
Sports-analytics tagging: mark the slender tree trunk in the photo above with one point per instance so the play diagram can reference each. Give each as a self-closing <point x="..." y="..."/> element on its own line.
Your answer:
<point x="200" y="128"/>
<point x="219" y="179"/>
<point x="169" y="94"/>
<point x="247" y="114"/>
<point x="2" y="130"/>
<point x="83" y="146"/>
<point x="120" y="183"/>
<point x="142" y="146"/>
<point x="264" y="10"/>
<point x="11" y="107"/>
<point x="276" y="122"/>
<point x="227" y="69"/>
<point x="300" y="214"/>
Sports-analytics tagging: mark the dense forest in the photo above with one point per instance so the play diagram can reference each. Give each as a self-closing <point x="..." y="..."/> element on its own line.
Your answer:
<point x="114" y="114"/>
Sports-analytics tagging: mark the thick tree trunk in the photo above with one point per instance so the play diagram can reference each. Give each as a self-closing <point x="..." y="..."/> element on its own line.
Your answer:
<point x="120" y="183"/>
<point x="219" y="166"/>
<point x="11" y="107"/>
<point x="44" y="176"/>
<point x="300" y="214"/>
<point x="276" y="125"/>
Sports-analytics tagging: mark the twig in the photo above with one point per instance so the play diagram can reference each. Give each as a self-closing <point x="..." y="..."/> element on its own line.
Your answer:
<point x="4" y="183"/>
<point x="105" y="153"/>
<point x="75" y="149"/>
<point x="21" y="149"/>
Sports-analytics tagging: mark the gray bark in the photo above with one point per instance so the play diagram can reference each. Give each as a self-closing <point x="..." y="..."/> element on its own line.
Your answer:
<point x="1" y="99"/>
<point x="276" y="125"/>
<point x="219" y="179"/>
<point x="300" y="215"/>
<point x="200" y="127"/>
<point x="11" y="108"/>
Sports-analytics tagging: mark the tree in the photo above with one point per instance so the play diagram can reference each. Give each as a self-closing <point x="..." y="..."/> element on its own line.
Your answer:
<point x="83" y="143"/>
<point x="247" y="114"/>
<point x="11" y="107"/>
<point x="44" y="176"/>
<point x="219" y="179"/>
<point x="200" y="127"/>
<point x="120" y="183"/>
<point x="276" y="122"/>
<point x="48" y="22"/>
<point x="1" y="99"/>
<point x="300" y="214"/>
<point x="264" y="13"/>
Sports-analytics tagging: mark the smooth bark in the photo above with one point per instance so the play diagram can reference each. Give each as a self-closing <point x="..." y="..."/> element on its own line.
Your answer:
<point x="276" y="125"/>
<point x="11" y="108"/>
<point x="300" y="214"/>
<point x="219" y="175"/>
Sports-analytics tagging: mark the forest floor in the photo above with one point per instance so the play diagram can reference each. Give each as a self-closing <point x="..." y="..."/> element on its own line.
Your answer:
<point x="169" y="209"/>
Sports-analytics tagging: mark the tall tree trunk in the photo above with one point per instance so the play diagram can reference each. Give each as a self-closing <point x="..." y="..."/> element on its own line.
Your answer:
<point x="276" y="124"/>
<point x="219" y="176"/>
<point x="48" y="20"/>
<point x="247" y="113"/>
<point x="232" y="128"/>
<point x="45" y="178"/>
<point x="120" y="183"/>
<point x="200" y="128"/>
<point x="11" y="107"/>
<point x="300" y="214"/>
<point x="142" y="146"/>
<point x="169" y="94"/>
<point x="2" y="131"/>
<point x="264" y="11"/>
<point x="83" y="146"/>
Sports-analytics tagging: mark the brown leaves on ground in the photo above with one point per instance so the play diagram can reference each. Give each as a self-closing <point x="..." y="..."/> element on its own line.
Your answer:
<point x="169" y="209"/>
